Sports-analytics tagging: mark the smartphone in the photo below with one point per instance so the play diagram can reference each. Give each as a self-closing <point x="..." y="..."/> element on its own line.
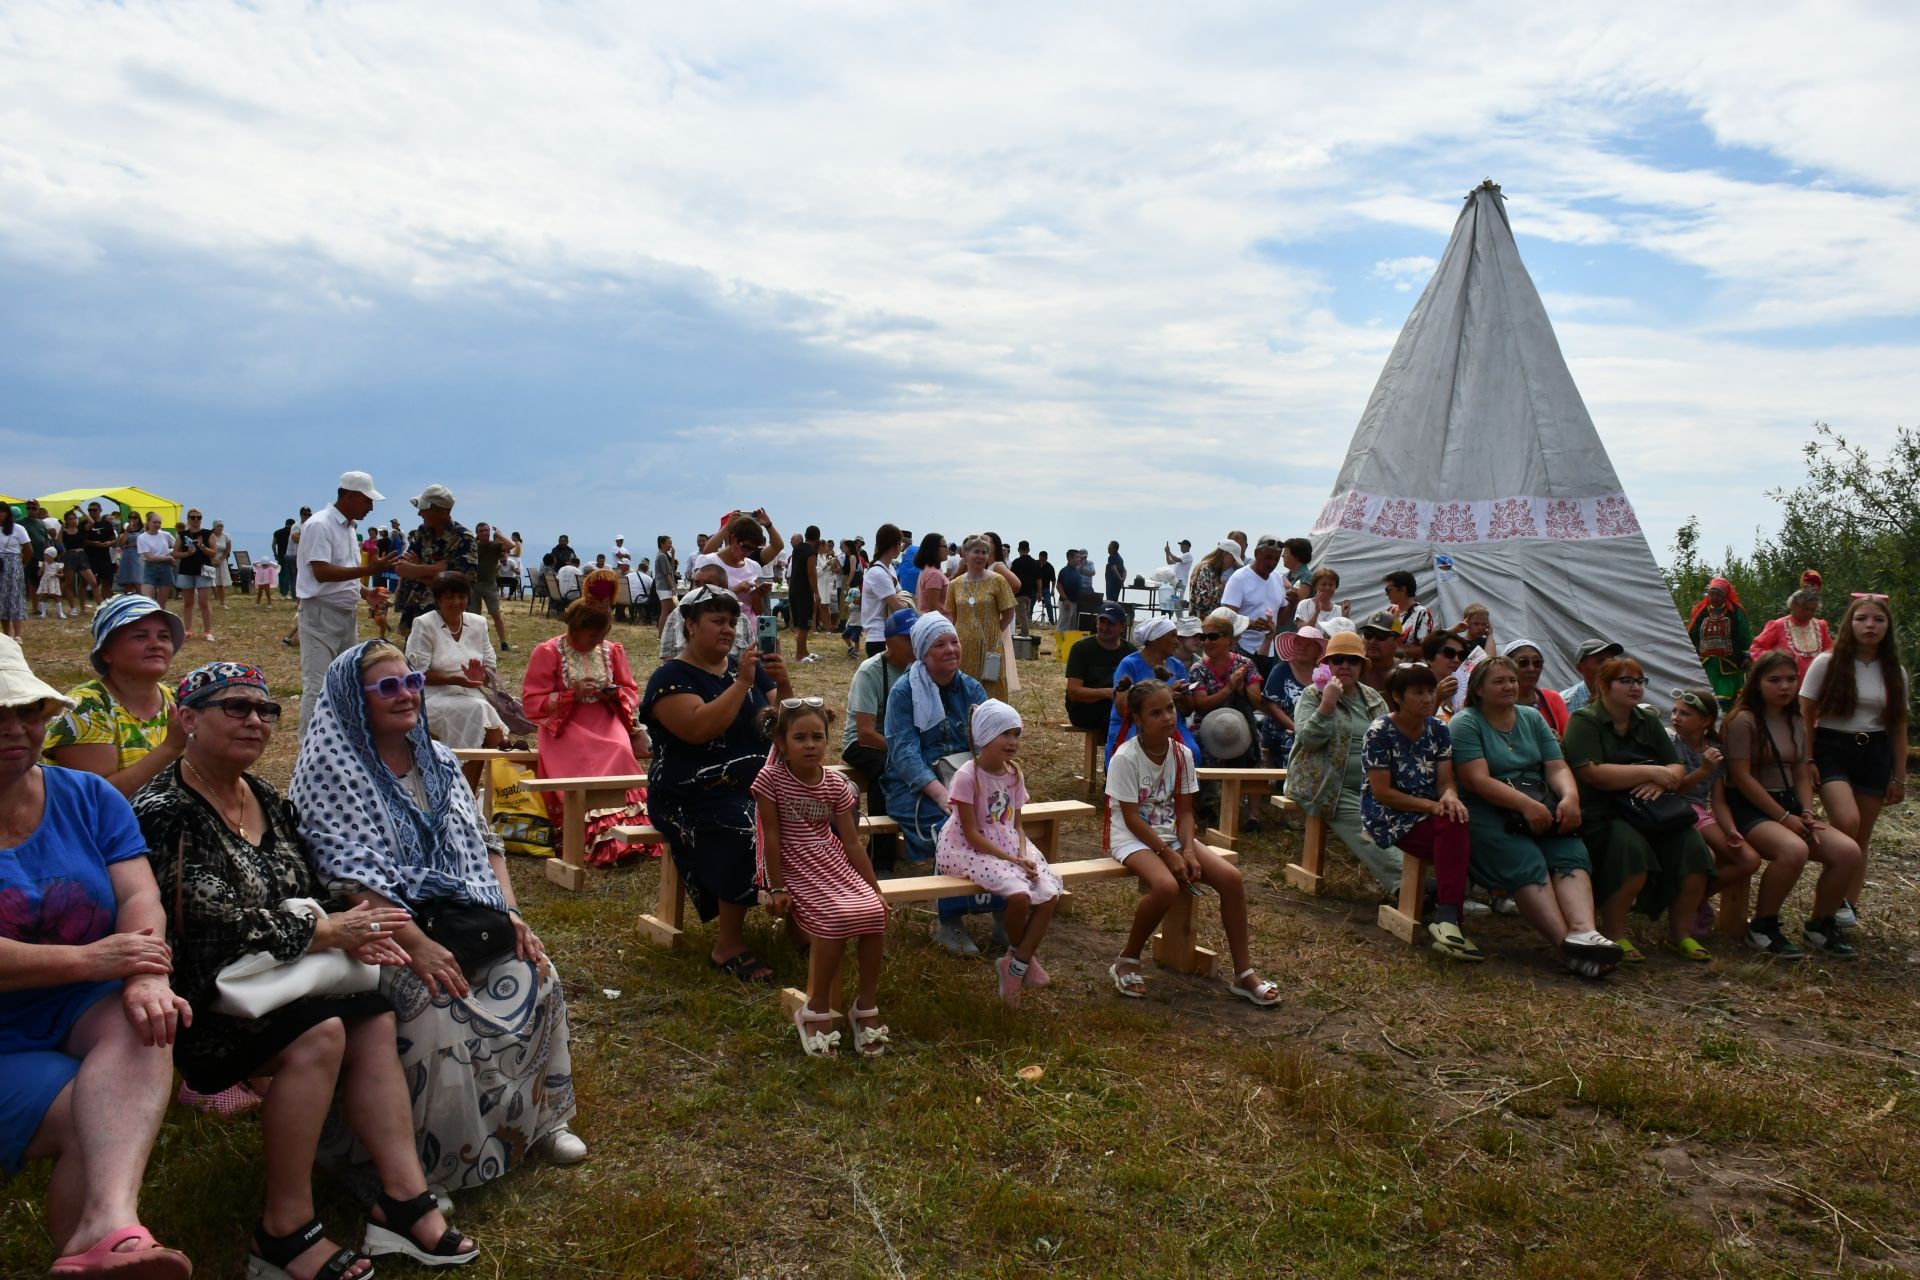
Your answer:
<point x="768" y="631"/>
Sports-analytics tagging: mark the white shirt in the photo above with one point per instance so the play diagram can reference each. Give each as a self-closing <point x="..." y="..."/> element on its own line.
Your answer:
<point x="1182" y="572"/>
<point x="568" y="576"/>
<point x="1134" y="779"/>
<point x="638" y="584"/>
<point x="877" y="590"/>
<point x="154" y="544"/>
<point x="1870" y="694"/>
<point x="328" y="538"/>
<point x="1254" y="597"/>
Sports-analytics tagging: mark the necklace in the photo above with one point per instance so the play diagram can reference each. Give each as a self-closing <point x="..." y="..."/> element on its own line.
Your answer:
<point x="1804" y="638"/>
<point x="454" y="628"/>
<point x="238" y="824"/>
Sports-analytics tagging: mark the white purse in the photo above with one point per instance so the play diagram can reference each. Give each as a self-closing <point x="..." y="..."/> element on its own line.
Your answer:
<point x="258" y="983"/>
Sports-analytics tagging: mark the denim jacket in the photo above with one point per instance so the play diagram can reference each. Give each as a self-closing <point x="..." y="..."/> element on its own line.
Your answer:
<point x="1322" y="744"/>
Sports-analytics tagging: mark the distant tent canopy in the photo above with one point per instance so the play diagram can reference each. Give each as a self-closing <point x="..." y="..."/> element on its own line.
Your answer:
<point x="1477" y="468"/>
<point x="133" y="501"/>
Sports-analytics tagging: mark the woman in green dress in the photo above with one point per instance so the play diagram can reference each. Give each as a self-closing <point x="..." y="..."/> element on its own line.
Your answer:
<point x="1651" y="873"/>
<point x="1723" y="637"/>
<point x="1522" y="812"/>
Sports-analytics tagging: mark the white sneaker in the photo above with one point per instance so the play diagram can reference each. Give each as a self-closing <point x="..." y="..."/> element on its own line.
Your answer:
<point x="562" y="1146"/>
<point x="1506" y="906"/>
<point x="1846" y="918"/>
<point x="1475" y="907"/>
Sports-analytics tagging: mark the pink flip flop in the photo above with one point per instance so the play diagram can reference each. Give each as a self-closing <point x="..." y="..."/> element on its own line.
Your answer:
<point x="153" y="1261"/>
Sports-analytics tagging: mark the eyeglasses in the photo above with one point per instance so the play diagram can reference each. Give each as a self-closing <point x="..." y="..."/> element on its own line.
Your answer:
<point x="794" y="704"/>
<point x="1345" y="660"/>
<point x="390" y="686"/>
<point x="241" y="708"/>
<point x="29" y="711"/>
<point x="1636" y="681"/>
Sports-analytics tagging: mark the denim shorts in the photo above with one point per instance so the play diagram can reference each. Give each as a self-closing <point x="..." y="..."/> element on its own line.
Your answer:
<point x="156" y="575"/>
<point x="1864" y="761"/>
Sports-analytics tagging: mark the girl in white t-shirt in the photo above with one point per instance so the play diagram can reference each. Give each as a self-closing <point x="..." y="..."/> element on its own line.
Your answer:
<point x="1150" y="831"/>
<point x="982" y="841"/>
<point x="50" y="571"/>
<point x="1854" y="698"/>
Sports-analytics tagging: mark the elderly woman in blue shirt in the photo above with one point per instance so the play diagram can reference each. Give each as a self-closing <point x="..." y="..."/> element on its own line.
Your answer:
<point x="927" y="714"/>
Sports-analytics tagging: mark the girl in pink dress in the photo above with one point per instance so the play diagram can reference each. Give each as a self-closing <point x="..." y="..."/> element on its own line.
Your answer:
<point x="814" y="866"/>
<point x="983" y="842"/>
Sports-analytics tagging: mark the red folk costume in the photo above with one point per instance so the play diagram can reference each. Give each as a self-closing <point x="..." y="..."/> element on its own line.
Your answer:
<point x="583" y="704"/>
<point x="1805" y="643"/>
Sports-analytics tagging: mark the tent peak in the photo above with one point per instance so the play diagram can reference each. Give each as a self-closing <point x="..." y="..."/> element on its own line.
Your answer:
<point x="1487" y="185"/>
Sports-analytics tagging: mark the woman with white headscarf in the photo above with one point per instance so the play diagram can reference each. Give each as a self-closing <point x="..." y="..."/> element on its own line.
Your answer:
<point x="926" y="730"/>
<point x="387" y="819"/>
<point x="1210" y="576"/>
<point x="1155" y="642"/>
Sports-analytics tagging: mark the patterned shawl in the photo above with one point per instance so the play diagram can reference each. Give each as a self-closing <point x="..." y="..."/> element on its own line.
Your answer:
<point x="360" y="822"/>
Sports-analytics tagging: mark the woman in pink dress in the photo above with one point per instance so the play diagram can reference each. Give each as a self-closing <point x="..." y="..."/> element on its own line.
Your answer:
<point x="1803" y="633"/>
<point x="580" y="692"/>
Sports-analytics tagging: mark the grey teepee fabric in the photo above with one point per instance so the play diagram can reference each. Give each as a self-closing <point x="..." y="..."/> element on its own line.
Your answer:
<point x="1476" y="467"/>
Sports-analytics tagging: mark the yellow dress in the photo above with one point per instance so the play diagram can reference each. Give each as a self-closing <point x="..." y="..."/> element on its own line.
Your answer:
<point x="976" y="606"/>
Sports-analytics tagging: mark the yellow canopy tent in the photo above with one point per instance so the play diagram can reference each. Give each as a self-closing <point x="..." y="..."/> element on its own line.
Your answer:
<point x="134" y="502"/>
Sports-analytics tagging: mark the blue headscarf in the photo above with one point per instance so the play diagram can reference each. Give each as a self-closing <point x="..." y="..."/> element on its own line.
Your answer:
<point x="361" y="823"/>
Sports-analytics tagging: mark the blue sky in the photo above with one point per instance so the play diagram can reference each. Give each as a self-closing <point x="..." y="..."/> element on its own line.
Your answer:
<point x="1072" y="274"/>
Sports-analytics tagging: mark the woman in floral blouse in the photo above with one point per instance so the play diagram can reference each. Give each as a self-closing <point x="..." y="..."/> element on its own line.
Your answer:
<point x="230" y="869"/>
<point x="1410" y="803"/>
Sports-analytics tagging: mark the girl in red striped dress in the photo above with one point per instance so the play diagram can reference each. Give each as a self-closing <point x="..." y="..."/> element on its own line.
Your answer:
<point x="815" y="866"/>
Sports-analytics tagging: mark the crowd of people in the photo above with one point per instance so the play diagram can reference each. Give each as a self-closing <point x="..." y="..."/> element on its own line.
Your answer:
<point x="349" y="959"/>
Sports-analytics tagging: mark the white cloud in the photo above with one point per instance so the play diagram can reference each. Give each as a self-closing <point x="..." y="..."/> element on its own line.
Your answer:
<point x="1061" y="204"/>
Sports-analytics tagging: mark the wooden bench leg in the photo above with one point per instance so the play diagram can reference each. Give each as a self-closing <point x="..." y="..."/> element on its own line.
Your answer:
<point x="663" y="927"/>
<point x="1093" y="755"/>
<point x="1045" y="834"/>
<point x="1173" y="946"/>
<point x="1304" y="875"/>
<point x="1228" y="831"/>
<point x="1731" y="916"/>
<point x="1403" y="921"/>
<point x="569" y="870"/>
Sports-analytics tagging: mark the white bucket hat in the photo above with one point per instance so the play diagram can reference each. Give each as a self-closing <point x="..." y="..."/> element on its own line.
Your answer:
<point x="18" y="685"/>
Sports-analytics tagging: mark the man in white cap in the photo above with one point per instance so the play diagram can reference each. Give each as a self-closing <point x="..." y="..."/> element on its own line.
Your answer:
<point x="327" y="582"/>
<point x="439" y="545"/>
<point x="1182" y="570"/>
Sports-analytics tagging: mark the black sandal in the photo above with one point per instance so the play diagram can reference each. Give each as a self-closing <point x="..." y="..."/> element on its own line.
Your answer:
<point x="395" y="1235"/>
<point x="747" y="967"/>
<point x="273" y="1254"/>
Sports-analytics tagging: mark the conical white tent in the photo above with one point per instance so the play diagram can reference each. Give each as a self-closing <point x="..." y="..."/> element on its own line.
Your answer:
<point x="1477" y="468"/>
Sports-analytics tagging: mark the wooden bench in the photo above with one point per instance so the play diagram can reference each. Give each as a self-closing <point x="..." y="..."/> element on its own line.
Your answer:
<point x="1095" y="743"/>
<point x="1041" y="822"/>
<point x="483" y="798"/>
<point x="1173" y="946"/>
<point x="1401" y="919"/>
<point x="1231" y="781"/>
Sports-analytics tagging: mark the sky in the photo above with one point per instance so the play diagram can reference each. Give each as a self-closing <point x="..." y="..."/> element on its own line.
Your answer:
<point x="1069" y="272"/>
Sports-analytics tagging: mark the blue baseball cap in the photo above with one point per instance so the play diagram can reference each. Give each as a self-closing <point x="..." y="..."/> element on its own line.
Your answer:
<point x="899" y="623"/>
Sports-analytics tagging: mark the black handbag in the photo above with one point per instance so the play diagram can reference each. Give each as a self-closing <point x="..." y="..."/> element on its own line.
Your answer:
<point x="1667" y="812"/>
<point x="1532" y="789"/>
<point x="475" y="934"/>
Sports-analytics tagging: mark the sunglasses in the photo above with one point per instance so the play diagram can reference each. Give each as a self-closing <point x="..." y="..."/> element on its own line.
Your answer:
<point x="1452" y="655"/>
<point x="1345" y="660"/>
<point x="241" y="708"/>
<point x="1529" y="664"/>
<point x="1879" y="596"/>
<point x="30" y="711"/>
<point x="794" y="704"/>
<point x="1218" y="635"/>
<point x="390" y="686"/>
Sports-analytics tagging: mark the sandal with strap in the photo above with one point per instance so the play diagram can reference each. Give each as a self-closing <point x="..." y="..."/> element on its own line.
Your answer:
<point x="817" y="1044"/>
<point x="150" y="1261"/>
<point x="747" y="967"/>
<point x="395" y="1235"/>
<point x="1264" y="993"/>
<point x="870" y="1041"/>
<point x="272" y="1255"/>
<point x="1128" y="982"/>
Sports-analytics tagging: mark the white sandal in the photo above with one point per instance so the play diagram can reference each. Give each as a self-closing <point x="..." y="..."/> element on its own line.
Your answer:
<point x="1129" y="984"/>
<point x="1266" y="994"/>
<point x="870" y="1041"/>
<point x="818" y="1044"/>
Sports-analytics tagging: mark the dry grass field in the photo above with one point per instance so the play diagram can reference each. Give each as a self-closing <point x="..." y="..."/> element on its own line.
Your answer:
<point x="1394" y="1116"/>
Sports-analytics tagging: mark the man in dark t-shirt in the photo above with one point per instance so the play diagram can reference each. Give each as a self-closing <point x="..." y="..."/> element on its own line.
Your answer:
<point x="1090" y="665"/>
<point x="1116" y="572"/>
<point x="803" y="591"/>
<point x="1043" y="576"/>
<point x="99" y="536"/>
<point x="1027" y="570"/>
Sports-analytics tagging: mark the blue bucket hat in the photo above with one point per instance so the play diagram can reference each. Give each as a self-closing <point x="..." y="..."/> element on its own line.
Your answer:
<point x="122" y="611"/>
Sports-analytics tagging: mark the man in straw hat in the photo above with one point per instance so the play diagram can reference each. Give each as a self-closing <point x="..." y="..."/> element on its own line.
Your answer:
<point x="88" y="1022"/>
